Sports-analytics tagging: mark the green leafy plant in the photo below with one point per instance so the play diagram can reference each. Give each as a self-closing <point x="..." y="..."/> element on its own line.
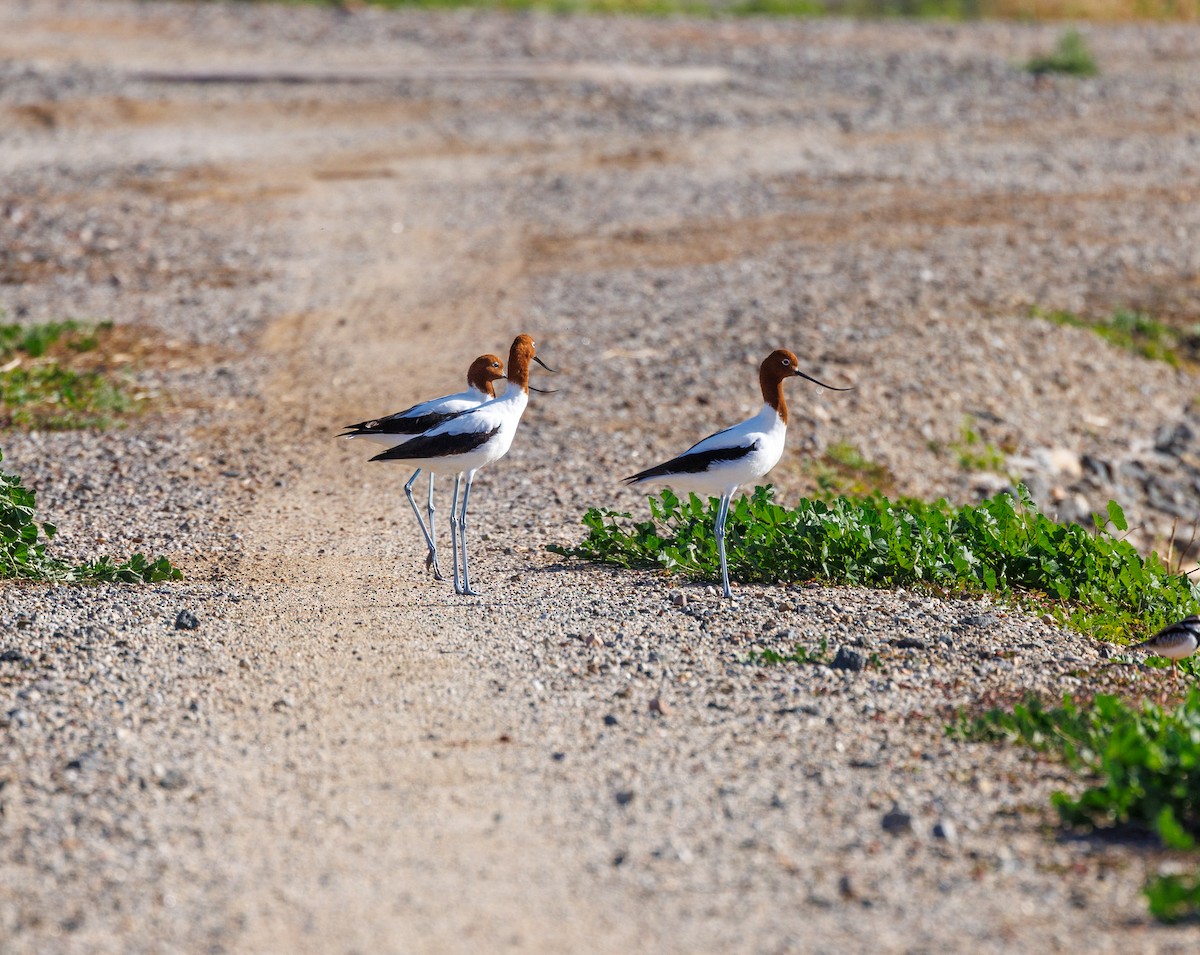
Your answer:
<point x="800" y="654"/>
<point x="1145" y="760"/>
<point x="1135" y="332"/>
<point x="23" y="543"/>
<point x="1174" y="898"/>
<point x="41" y="388"/>
<point x="1071" y="56"/>
<point x="1005" y="545"/>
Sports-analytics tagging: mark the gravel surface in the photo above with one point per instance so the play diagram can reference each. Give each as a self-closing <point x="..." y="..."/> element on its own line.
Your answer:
<point x="317" y="216"/>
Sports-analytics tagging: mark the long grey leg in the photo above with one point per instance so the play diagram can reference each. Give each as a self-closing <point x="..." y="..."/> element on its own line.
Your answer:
<point x="462" y="536"/>
<point x="722" y="514"/>
<point x="432" y="561"/>
<point x="454" y="531"/>
<point x="426" y="533"/>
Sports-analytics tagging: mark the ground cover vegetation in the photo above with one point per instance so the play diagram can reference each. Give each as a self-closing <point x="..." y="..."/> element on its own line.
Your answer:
<point x="1140" y="767"/>
<point x="60" y="376"/>
<point x="1141" y="762"/>
<point x="1094" y="581"/>
<point x="1136" y="332"/>
<point x="24" y="543"/>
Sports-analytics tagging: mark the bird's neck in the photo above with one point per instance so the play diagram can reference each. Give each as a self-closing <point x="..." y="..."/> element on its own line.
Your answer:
<point x="518" y="376"/>
<point x="772" y="392"/>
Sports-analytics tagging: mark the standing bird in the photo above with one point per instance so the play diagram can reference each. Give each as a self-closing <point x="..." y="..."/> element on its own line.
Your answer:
<point x="722" y="462"/>
<point x="1175" y="641"/>
<point x="405" y="425"/>
<point x="468" y="441"/>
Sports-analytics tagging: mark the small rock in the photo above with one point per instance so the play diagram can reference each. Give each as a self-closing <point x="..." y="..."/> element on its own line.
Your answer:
<point x="172" y="779"/>
<point x="558" y="756"/>
<point x="897" y="822"/>
<point x="980" y="620"/>
<point x="610" y="719"/>
<point x="658" y="706"/>
<point x="944" y="829"/>
<point x="847" y="659"/>
<point x="186" y="620"/>
<point x="591" y="641"/>
<point x="13" y="656"/>
<point x="623" y="797"/>
<point x="679" y="599"/>
<point x="911" y="643"/>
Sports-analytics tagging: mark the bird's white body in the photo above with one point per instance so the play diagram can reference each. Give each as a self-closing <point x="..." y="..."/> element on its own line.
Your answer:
<point x="762" y="437"/>
<point x="493" y="424"/>
<point x="1176" y="641"/>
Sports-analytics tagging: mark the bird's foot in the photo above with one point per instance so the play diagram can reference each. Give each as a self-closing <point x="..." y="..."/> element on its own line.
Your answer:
<point x="431" y="563"/>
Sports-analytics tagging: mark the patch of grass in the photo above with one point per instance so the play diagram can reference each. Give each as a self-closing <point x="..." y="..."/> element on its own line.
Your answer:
<point x="47" y="381"/>
<point x="1093" y="581"/>
<point x="800" y="654"/>
<point x="1144" y="760"/>
<point x="1174" y="898"/>
<point x="1142" y="766"/>
<point x="974" y="453"/>
<point x="23" y="543"/>
<point x="1135" y="332"/>
<point x="843" y="470"/>
<point x="1071" y="56"/>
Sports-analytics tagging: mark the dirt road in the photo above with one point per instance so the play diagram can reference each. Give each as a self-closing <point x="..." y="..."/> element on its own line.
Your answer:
<point x="336" y="211"/>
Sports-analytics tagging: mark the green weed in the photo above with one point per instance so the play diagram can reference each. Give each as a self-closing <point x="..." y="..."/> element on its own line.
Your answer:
<point x="1135" y="332"/>
<point x="1145" y="760"/>
<point x="1095" y="582"/>
<point x="1174" y="898"/>
<point x="843" y="470"/>
<point x="974" y="453"/>
<point x="23" y="543"/>
<point x="1143" y="768"/>
<point x="40" y="388"/>
<point x="1071" y="56"/>
<point x="800" y="654"/>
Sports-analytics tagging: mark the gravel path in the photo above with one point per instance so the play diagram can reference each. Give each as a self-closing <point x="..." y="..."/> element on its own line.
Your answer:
<point x="321" y="216"/>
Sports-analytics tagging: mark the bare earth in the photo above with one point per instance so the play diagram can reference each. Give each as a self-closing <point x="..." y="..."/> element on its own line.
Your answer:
<point x="318" y="216"/>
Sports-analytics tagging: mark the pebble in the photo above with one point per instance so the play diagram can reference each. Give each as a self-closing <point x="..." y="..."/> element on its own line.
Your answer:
<point x="848" y="659"/>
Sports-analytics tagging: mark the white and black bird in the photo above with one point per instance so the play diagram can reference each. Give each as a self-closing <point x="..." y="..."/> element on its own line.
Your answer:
<point x="721" y="463"/>
<point x="468" y="441"/>
<point x="1176" y="641"/>
<point x="403" y="426"/>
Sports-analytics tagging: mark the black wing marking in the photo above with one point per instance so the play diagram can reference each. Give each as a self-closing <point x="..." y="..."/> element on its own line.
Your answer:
<point x="399" y="424"/>
<point x="437" y="445"/>
<point x="693" y="462"/>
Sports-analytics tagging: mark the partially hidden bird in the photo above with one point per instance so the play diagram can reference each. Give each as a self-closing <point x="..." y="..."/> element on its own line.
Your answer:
<point x="1176" y="641"/>
<point x="403" y="426"/>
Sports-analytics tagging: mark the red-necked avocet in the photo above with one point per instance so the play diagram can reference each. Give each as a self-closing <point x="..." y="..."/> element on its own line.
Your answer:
<point x="468" y="441"/>
<point x="722" y="462"/>
<point x="405" y="425"/>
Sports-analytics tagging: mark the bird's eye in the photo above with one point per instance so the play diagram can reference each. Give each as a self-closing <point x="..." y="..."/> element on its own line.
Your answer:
<point x="786" y="362"/>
